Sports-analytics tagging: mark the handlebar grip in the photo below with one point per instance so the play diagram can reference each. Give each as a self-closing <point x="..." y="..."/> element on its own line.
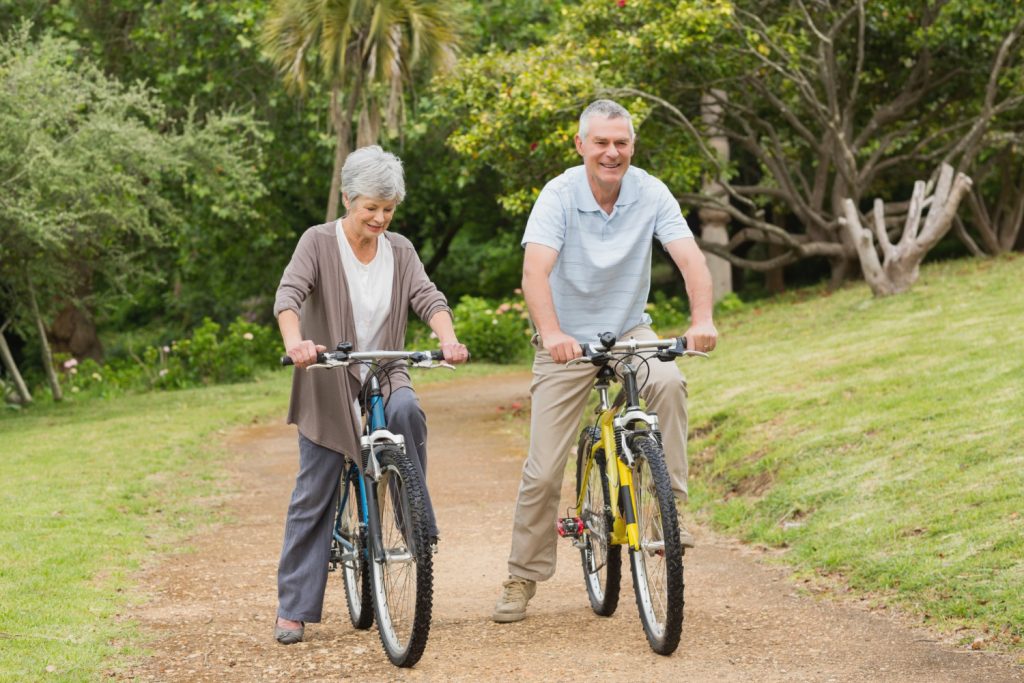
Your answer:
<point x="437" y="354"/>
<point x="287" y="360"/>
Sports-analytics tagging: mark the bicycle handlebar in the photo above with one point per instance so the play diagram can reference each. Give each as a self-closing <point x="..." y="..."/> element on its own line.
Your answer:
<point x="343" y="356"/>
<point x="667" y="349"/>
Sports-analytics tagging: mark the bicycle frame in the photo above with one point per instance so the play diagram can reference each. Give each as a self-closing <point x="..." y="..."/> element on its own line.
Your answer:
<point x="375" y="432"/>
<point x="612" y="422"/>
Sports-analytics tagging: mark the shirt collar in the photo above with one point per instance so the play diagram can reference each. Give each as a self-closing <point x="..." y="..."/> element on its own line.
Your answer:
<point x="628" y="193"/>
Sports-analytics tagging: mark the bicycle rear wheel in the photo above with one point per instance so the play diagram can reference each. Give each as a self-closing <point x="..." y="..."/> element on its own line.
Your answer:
<point x="602" y="562"/>
<point x="658" y="565"/>
<point x="348" y="550"/>
<point x="403" y="576"/>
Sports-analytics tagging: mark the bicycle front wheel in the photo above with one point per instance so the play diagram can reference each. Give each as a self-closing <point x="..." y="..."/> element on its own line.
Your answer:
<point x="658" y="564"/>
<point x="602" y="562"/>
<point x="402" y="575"/>
<point x="349" y="550"/>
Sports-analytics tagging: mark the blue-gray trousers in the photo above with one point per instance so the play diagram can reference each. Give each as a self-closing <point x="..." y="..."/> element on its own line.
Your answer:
<point x="302" y="571"/>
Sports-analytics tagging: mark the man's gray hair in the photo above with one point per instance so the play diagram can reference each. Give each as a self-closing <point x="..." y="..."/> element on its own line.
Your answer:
<point x="372" y="172"/>
<point x="606" y="109"/>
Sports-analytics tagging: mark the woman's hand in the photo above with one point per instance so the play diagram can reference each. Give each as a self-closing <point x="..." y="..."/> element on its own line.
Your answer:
<point x="454" y="352"/>
<point x="303" y="353"/>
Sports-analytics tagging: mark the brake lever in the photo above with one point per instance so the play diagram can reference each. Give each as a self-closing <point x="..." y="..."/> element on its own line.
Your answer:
<point x="330" y="364"/>
<point x="430" y="364"/>
<point x="700" y="354"/>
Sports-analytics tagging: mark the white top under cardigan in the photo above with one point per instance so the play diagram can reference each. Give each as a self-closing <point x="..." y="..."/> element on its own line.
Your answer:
<point x="369" y="289"/>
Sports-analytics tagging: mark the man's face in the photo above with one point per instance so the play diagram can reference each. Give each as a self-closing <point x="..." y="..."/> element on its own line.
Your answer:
<point x="606" y="151"/>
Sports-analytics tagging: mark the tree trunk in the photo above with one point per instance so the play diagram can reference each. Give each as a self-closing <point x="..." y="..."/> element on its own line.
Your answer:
<point x="342" y="123"/>
<point x="341" y="135"/>
<point x="774" y="279"/>
<point x="12" y="367"/>
<point x="898" y="268"/>
<point x="51" y="374"/>
<point x="714" y="223"/>
<point x="73" y="332"/>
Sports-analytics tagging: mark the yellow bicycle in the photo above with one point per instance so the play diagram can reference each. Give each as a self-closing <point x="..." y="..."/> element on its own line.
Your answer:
<point x="624" y="495"/>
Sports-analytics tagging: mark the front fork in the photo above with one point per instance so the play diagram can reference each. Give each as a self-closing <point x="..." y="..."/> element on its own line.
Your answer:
<point x="625" y="530"/>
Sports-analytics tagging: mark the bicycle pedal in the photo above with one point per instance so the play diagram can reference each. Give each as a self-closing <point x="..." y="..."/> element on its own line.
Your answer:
<point x="570" y="527"/>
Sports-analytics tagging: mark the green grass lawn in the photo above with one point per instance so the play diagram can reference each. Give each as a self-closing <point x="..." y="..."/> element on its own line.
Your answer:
<point x="89" y="490"/>
<point x="880" y="441"/>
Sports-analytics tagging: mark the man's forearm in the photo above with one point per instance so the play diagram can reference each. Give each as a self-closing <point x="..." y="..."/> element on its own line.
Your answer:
<point x="700" y="290"/>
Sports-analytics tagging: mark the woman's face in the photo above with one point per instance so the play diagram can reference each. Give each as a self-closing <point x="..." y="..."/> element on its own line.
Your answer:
<point x="367" y="217"/>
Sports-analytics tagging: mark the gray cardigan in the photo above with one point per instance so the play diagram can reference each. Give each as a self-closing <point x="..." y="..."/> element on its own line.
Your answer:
<point x="314" y="286"/>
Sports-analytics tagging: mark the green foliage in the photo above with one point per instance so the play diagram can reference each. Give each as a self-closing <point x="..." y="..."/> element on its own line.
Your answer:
<point x="668" y="314"/>
<point x="211" y="355"/>
<point x="519" y="110"/>
<point x="493" y="331"/>
<point x="201" y="60"/>
<point x="81" y="164"/>
<point x="511" y="24"/>
<point x="99" y="182"/>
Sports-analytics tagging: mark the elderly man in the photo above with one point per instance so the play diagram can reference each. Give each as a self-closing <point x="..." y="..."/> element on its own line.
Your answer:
<point x="586" y="270"/>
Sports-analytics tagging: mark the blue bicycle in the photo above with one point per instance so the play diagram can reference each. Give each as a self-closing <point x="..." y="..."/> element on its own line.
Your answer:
<point x="381" y="539"/>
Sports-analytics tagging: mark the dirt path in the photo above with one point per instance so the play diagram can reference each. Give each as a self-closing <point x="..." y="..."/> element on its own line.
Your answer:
<point x="212" y="610"/>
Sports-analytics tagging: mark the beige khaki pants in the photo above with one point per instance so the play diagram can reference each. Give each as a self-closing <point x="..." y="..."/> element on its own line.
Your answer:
<point x="559" y="395"/>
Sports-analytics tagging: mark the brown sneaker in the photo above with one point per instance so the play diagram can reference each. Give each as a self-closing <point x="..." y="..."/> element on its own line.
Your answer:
<point x="516" y="592"/>
<point x="685" y="537"/>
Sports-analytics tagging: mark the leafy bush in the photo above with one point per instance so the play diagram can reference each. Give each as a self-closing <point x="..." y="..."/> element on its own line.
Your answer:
<point x="668" y="314"/>
<point x="498" y="332"/>
<point x="730" y="303"/>
<point x="210" y="356"/>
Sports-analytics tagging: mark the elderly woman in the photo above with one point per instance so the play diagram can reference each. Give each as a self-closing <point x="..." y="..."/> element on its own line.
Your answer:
<point x="349" y="280"/>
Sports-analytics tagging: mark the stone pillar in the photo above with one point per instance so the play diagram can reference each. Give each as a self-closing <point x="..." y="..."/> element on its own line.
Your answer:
<point x="713" y="222"/>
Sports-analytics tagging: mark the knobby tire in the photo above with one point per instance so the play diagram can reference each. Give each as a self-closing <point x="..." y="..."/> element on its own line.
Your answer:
<point x="658" y="566"/>
<point x="403" y="579"/>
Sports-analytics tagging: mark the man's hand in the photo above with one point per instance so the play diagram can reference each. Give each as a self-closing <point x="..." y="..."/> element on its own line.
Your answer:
<point x="561" y="346"/>
<point x="702" y="337"/>
<point x="303" y="353"/>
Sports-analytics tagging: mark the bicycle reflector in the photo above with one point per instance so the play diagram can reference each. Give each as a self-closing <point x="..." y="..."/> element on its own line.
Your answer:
<point x="571" y="527"/>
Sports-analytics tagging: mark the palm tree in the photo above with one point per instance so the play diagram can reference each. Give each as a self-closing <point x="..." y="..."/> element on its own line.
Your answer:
<point x="366" y="52"/>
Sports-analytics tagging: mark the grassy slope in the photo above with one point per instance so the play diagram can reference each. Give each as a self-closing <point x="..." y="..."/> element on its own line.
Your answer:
<point x="88" y="491"/>
<point x="879" y="439"/>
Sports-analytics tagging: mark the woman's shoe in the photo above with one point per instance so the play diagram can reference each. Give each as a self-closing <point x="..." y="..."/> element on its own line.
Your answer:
<point x="288" y="636"/>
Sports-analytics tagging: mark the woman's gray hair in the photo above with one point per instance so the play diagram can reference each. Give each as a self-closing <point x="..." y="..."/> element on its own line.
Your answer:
<point x="607" y="109"/>
<point x="372" y="172"/>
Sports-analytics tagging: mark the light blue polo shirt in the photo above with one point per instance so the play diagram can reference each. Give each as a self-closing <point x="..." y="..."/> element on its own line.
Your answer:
<point x="602" y="277"/>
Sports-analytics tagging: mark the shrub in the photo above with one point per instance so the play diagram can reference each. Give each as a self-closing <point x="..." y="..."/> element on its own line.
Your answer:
<point x="210" y="356"/>
<point x="498" y="332"/>
<point x="668" y="314"/>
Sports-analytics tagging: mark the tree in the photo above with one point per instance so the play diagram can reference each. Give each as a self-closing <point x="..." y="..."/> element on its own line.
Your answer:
<point x="91" y="174"/>
<point x="833" y="101"/>
<point x="201" y="59"/>
<point x="821" y="102"/>
<point x="366" y="52"/>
